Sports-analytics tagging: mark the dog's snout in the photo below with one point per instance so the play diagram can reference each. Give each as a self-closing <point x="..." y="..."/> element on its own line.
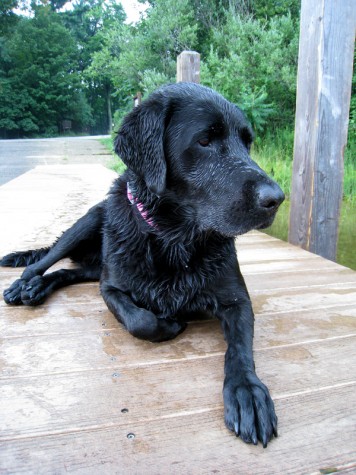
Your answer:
<point x="269" y="197"/>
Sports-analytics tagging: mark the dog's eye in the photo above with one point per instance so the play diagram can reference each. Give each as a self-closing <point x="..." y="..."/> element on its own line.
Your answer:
<point x="204" y="142"/>
<point x="246" y="137"/>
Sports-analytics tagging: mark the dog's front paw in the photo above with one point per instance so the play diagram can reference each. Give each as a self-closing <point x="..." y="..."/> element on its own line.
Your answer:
<point x="249" y="409"/>
<point x="34" y="291"/>
<point x="12" y="295"/>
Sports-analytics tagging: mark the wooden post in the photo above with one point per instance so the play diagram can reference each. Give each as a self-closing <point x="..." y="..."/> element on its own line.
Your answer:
<point x="188" y="67"/>
<point x="327" y="35"/>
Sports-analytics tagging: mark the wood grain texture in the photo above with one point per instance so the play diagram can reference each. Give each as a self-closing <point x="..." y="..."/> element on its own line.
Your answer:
<point x="197" y="443"/>
<point x="327" y="36"/>
<point x="74" y="383"/>
<point x="188" y="67"/>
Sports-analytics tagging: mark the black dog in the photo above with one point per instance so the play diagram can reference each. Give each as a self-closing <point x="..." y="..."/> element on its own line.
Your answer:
<point x="162" y="243"/>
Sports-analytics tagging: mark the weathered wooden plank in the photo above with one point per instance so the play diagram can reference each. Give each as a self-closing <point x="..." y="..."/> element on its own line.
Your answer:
<point x="91" y="350"/>
<point x="282" y="328"/>
<point x="260" y="282"/>
<point x="48" y="403"/>
<point x="282" y="315"/>
<point x="303" y="326"/>
<point x="273" y="254"/>
<point x="291" y="266"/>
<point x="289" y="300"/>
<point x="51" y="319"/>
<point x="188" y="67"/>
<point x="85" y="348"/>
<point x="326" y="48"/>
<point x="68" y="322"/>
<point x="72" y="191"/>
<point x="260" y="253"/>
<point x="199" y="443"/>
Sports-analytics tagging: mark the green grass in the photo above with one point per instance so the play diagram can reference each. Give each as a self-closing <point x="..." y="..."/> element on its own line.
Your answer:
<point x="346" y="255"/>
<point x="274" y="154"/>
<point x="350" y="166"/>
<point x="108" y="143"/>
<point x="115" y="163"/>
<point x="350" y="181"/>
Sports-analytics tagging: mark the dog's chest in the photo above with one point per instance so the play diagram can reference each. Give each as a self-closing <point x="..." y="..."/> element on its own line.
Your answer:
<point x="167" y="294"/>
<point x="170" y="282"/>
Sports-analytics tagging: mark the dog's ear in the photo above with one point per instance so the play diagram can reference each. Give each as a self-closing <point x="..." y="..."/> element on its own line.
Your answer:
<point x="139" y="143"/>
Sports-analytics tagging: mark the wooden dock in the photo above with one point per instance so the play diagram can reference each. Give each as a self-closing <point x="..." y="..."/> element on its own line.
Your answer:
<point x="80" y="395"/>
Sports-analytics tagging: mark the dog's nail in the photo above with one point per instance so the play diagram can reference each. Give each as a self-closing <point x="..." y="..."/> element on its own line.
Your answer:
<point x="237" y="428"/>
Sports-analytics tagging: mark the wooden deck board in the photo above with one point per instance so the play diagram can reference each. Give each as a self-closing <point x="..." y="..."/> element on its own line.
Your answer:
<point x="69" y="368"/>
<point x="190" y="443"/>
<point x="157" y="388"/>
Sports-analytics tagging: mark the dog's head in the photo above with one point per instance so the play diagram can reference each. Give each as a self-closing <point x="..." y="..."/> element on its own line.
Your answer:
<point x="187" y="140"/>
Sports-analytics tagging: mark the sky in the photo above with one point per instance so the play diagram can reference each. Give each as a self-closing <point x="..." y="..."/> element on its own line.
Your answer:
<point x="132" y="9"/>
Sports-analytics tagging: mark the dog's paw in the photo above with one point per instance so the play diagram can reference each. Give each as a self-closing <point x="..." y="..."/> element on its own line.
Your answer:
<point x="147" y="326"/>
<point x="12" y="295"/>
<point x="249" y="409"/>
<point x="169" y="329"/>
<point x="34" y="291"/>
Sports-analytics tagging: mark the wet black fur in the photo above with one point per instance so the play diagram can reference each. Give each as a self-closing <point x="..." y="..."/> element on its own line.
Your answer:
<point x="187" y="153"/>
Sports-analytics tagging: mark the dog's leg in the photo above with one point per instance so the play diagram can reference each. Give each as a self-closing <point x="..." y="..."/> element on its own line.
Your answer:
<point x="23" y="258"/>
<point x="249" y="409"/>
<point x="140" y="322"/>
<point x="83" y="230"/>
<point x="36" y="290"/>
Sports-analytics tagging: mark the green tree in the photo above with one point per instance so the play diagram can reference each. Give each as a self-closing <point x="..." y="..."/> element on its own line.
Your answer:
<point x="7" y="15"/>
<point x="91" y="23"/>
<point x="143" y="56"/>
<point x="39" y="82"/>
<point x="83" y="62"/>
<point x="267" y="9"/>
<point x="100" y="73"/>
<point x="254" y="64"/>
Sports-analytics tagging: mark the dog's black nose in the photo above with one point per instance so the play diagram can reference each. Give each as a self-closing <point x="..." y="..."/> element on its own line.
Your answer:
<point x="269" y="196"/>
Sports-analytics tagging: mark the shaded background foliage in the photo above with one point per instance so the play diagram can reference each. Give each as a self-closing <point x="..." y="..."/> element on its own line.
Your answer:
<point x="85" y="63"/>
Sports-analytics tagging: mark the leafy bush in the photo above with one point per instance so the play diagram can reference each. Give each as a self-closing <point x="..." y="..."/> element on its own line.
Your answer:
<point x="151" y="79"/>
<point x="254" y="64"/>
<point x="255" y="105"/>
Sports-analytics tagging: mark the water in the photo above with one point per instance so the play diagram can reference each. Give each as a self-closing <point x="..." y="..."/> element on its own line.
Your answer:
<point x="346" y="249"/>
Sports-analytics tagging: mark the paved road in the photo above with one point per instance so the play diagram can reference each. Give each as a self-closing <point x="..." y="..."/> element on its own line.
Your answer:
<point x="20" y="156"/>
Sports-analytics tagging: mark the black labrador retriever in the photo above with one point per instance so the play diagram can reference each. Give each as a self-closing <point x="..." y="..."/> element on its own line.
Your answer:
<point x="162" y="243"/>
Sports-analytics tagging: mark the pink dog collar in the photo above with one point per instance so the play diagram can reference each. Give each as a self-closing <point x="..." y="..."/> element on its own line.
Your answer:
<point x="140" y="207"/>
